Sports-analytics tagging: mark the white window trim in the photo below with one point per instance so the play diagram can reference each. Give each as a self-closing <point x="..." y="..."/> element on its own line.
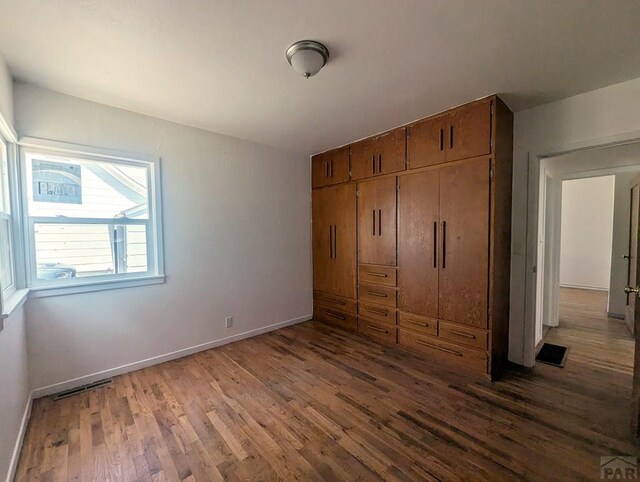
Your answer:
<point x="155" y="275"/>
<point x="15" y="297"/>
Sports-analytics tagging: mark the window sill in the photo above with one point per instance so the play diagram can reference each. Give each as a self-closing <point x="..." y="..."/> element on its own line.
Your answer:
<point x="15" y="301"/>
<point x="46" y="291"/>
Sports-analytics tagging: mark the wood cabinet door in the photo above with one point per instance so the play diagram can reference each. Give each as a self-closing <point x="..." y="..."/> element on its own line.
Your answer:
<point x="334" y="240"/>
<point x="391" y="151"/>
<point x="418" y="229"/>
<point x="464" y="243"/>
<point x="364" y="159"/>
<point x="330" y="167"/>
<point x="377" y="222"/>
<point x="469" y="131"/>
<point x="426" y="142"/>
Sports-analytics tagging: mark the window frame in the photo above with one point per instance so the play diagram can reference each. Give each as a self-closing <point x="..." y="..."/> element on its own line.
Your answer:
<point x="8" y="291"/>
<point x="155" y="252"/>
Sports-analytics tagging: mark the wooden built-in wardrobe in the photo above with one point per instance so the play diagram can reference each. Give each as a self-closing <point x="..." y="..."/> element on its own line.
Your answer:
<point x="411" y="236"/>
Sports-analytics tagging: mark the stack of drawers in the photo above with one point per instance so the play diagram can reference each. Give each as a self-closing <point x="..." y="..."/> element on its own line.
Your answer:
<point x="451" y="342"/>
<point x="377" y="302"/>
<point x="335" y="309"/>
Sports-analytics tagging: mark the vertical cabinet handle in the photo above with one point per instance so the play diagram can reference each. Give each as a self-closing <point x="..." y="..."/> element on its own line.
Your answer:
<point x="444" y="244"/>
<point x="326" y="169"/>
<point x="379" y="163"/>
<point x="373" y="164"/>
<point x="450" y="137"/>
<point x="435" y="244"/>
<point x="331" y="168"/>
<point x="330" y="241"/>
<point x="379" y="222"/>
<point x="335" y="241"/>
<point x="374" y="222"/>
<point x="441" y="139"/>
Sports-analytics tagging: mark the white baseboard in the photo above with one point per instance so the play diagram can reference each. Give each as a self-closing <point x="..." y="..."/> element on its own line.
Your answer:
<point x="130" y="367"/>
<point x="13" y="465"/>
<point x="584" y="287"/>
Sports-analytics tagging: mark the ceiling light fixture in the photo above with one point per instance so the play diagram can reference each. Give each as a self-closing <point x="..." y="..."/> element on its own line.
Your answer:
<point x="307" y="57"/>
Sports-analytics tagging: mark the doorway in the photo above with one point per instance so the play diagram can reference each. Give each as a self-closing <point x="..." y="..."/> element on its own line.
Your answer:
<point x="583" y="267"/>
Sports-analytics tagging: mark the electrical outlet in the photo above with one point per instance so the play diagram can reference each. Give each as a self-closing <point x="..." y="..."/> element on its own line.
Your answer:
<point x="228" y="321"/>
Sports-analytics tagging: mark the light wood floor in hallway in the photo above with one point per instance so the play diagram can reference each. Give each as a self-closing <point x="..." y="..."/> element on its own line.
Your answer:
<point x="310" y="402"/>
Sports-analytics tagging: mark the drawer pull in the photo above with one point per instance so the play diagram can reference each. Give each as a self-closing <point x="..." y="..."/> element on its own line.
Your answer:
<point x="460" y="333"/>
<point x="337" y="302"/>
<point x="378" y="312"/>
<point x="336" y="315"/>
<point x="379" y="295"/>
<point x="378" y="275"/>
<point x="441" y="348"/>
<point x="375" y="328"/>
<point x="419" y="323"/>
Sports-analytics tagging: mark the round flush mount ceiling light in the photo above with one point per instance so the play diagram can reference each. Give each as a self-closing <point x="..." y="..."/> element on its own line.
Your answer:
<point x="307" y="57"/>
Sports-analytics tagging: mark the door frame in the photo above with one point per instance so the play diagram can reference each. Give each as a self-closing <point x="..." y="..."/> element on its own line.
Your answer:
<point x="626" y="152"/>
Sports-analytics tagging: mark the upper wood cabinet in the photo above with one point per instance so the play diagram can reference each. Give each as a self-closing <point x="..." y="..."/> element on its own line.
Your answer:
<point x="426" y="142"/>
<point x="334" y="240"/>
<point x="331" y="167"/>
<point x="377" y="222"/>
<point x="462" y="133"/>
<point x="469" y="132"/>
<point x="383" y="154"/>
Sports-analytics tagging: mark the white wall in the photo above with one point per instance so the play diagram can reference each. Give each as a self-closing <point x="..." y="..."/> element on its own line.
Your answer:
<point x="14" y="383"/>
<point x="586" y="232"/>
<point x="600" y="117"/>
<point x="237" y="233"/>
<point x="620" y="245"/>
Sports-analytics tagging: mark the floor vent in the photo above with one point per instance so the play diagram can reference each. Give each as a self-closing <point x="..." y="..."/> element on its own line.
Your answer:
<point x="84" y="388"/>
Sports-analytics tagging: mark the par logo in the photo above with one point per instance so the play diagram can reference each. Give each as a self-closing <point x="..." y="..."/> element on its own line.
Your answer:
<point x="619" y="467"/>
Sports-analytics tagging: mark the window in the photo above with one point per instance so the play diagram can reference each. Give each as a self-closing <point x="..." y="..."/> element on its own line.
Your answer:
<point x="90" y="219"/>
<point x="7" y="268"/>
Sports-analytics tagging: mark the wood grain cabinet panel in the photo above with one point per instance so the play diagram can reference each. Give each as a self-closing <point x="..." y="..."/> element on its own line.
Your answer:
<point x="377" y="222"/>
<point x="380" y="275"/>
<point x="384" y="314"/>
<point x="418" y="230"/>
<point x="426" y="142"/>
<point x="380" y="295"/>
<point x="464" y="245"/>
<point x="420" y="324"/>
<point x="334" y="240"/>
<point x="364" y="159"/>
<point x="467" y="358"/>
<point x="336" y="302"/>
<point x="464" y="335"/>
<point x="380" y="331"/>
<point x="336" y="317"/>
<point x="469" y="131"/>
<point x="331" y="167"/>
<point x="383" y="154"/>
<point x="392" y="151"/>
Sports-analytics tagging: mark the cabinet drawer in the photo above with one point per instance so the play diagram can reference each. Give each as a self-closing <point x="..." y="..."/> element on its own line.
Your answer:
<point x="463" y="335"/>
<point x="379" y="331"/>
<point x="421" y="324"/>
<point x="379" y="275"/>
<point x="381" y="295"/>
<point x="336" y="302"/>
<point x="448" y="352"/>
<point x="377" y="312"/>
<point x="333" y="316"/>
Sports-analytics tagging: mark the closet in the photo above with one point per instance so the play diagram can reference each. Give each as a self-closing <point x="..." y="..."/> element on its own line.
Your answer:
<point x="420" y="225"/>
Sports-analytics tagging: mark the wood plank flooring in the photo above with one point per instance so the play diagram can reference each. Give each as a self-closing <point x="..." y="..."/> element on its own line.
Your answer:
<point x="311" y="402"/>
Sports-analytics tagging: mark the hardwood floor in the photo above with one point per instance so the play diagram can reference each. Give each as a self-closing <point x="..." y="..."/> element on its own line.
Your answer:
<point x="311" y="402"/>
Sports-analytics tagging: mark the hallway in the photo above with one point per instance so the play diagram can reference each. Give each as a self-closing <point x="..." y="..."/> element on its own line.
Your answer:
<point x="600" y="348"/>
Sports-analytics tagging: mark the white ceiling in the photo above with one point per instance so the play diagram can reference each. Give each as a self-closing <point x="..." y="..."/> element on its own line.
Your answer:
<point x="220" y="65"/>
